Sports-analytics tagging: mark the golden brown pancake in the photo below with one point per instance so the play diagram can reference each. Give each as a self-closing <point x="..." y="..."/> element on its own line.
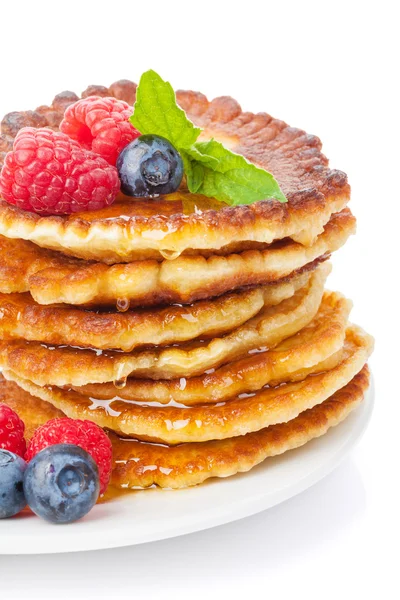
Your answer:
<point x="176" y="424"/>
<point x="258" y="362"/>
<point x="22" y="317"/>
<point x="75" y="366"/>
<point x="167" y="227"/>
<point x="315" y="343"/>
<point x="52" y="278"/>
<point x="192" y="463"/>
<point x="307" y="351"/>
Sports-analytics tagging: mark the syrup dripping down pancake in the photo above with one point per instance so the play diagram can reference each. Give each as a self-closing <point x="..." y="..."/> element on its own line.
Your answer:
<point x="64" y="365"/>
<point x="314" y="348"/>
<point x="52" y="278"/>
<point x="130" y="230"/>
<point x="178" y="424"/>
<point x="22" y="317"/>
<point x="193" y="463"/>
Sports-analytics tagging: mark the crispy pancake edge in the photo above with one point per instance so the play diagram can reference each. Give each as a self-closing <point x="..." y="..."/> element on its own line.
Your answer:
<point x="314" y="192"/>
<point x="193" y="463"/>
<point x="174" y="425"/>
<point x="76" y="366"/>
<point x="57" y="279"/>
<point x="312" y="345"/>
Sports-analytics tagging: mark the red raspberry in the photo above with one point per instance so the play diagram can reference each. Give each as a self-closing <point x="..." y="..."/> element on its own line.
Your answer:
<point x="100" y="125"/>
<point x="50" y="174"/>
<point x="11" y="431"/>
<point x="85" y="434"/>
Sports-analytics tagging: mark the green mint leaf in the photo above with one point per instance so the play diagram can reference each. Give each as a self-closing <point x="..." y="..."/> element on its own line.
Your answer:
<point x="232" y="179"/>
<point x="194" y="172"/>
<point x="157" y="112"/>
<point x="210" y="168"/>
<point x="195" y="153"/>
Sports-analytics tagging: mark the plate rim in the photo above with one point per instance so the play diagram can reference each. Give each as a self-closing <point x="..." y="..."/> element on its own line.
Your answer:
<point x="235" y="511"/>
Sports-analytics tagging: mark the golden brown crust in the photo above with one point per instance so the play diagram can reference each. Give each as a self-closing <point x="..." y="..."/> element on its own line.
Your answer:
<point x="69" y="367"/>
<point x="174" y="425"/>
<point x="22" y="317"/>
<point x="313" y="190"/>
<point x="53" y="278"/>
<point x="192" y="463"/>
<point x="66" y="365"/>
<point x="293" y="359"/>
<point x="126" y="330"/>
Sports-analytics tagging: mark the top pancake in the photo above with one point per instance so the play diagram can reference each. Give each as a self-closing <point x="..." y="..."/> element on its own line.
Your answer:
<point x="185" y="223"/>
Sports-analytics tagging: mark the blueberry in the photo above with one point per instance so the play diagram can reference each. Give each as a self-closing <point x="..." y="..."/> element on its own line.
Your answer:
<point x="61" y="483"/>
<point x="12" y="498"/>
<point x="148" y="166"/>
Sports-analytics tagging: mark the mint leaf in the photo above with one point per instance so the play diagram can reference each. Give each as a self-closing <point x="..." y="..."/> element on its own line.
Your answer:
<point x="210" y="168"/>
<point x="195" y="153"/>
<point x="194" y="172"/>
<point x="232" y="178"/>
<point x="157" y="112"/>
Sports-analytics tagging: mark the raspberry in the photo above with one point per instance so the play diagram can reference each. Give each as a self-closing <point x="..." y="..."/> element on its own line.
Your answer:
<point x="100" y="125"/>
<point x="85" y="434"/>
<point x="49" y="173"/>
<point x="11" y="431"/>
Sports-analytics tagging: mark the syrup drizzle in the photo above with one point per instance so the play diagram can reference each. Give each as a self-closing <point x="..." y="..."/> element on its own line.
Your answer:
<point x="123" y="304"/>
<point x="120" y="383"/>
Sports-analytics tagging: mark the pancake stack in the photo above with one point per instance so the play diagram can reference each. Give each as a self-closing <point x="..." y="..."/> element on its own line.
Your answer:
<point x="200" y="336"/>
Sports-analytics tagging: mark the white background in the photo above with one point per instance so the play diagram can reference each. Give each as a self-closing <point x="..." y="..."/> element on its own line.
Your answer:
<point x="332" y="69"/>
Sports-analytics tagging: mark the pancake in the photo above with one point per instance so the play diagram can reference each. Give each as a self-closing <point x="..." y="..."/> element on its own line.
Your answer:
<point x="142" y="464"/>
<point x="292" y="358"/>
<point x="167" y="227"/>
<point x="52" y="278"/>
<point x="22" y="317"/>
<point x="313" y="344"/>
<point x="65" y="365"/>
<point x="178" y="424"/>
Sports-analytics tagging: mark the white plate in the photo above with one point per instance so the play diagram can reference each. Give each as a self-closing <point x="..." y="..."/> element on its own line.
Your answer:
<point x="154" y="514"/>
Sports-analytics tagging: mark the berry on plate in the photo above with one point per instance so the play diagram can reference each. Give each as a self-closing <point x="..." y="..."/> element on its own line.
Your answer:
<point x="100" y="125"/>
<point x="11" y="431"/>
<point x="85" y="434"/>
<point x="50" y="174"/>
<point x="12" y="498"/>
<point x="61" y="483"/>
<point x="148" y="166"/>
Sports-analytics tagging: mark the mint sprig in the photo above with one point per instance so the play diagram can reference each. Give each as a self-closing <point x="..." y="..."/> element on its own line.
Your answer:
<point x="210" y="168"/>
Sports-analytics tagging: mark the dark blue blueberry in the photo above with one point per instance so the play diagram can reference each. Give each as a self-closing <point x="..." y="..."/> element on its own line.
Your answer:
<point x="62" y="483"/>
<point x="12" y="498"/>
<point x="148" y="166"/>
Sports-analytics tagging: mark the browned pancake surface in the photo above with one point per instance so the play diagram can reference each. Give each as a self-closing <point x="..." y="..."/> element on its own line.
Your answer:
<point x="53" y="278"/>
<point x="171" y="226"/>
<point x="63" y="365"/>
<point x="177" y="424"/>
<point x="141" y="464"/>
